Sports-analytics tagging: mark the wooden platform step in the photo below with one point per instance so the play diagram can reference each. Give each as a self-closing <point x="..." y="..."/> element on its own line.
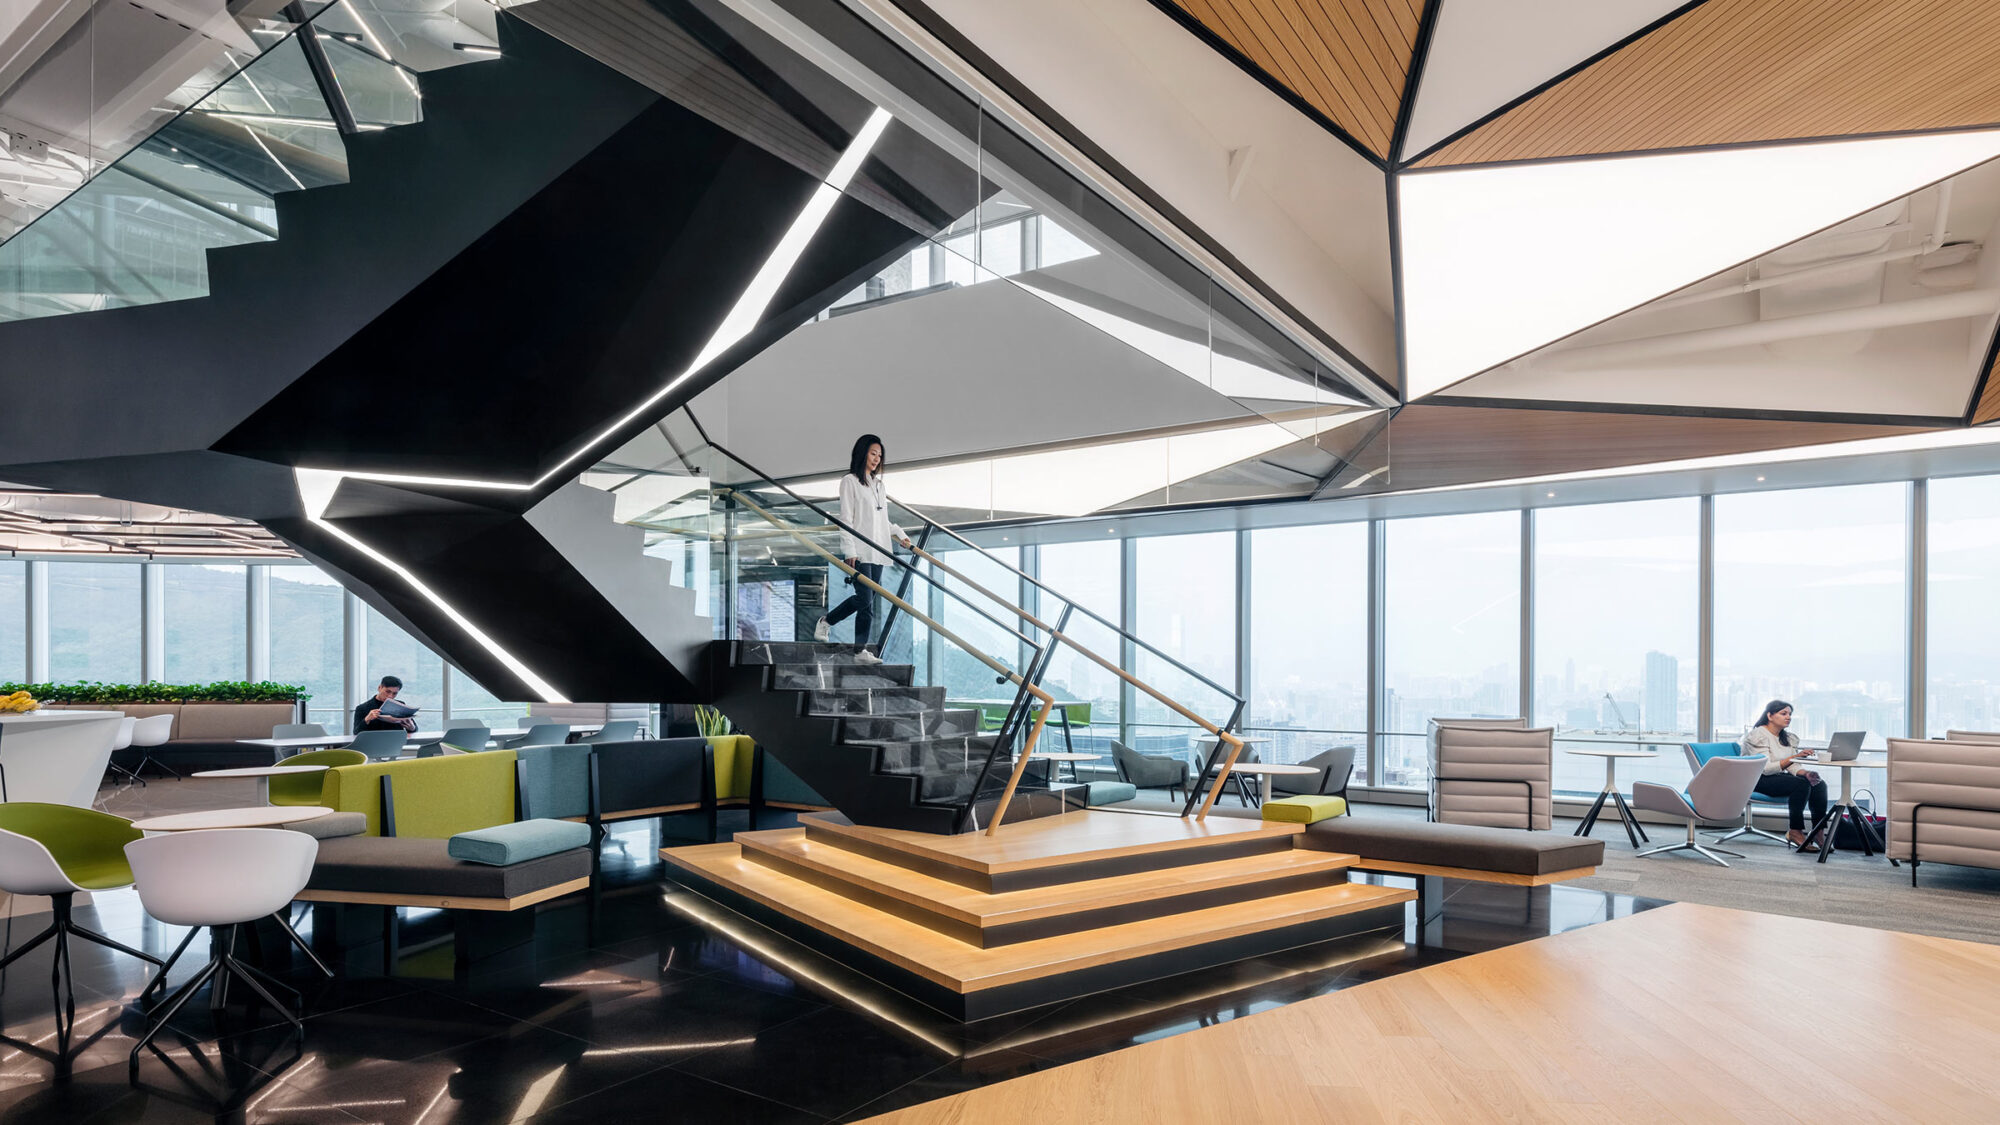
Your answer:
<point x="1059" y="849"/>
<point x="973" y="982"/>
<point x="989" y="920"/>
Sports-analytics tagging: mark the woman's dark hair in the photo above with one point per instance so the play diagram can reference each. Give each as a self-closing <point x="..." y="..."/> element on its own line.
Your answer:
<point x="857" y="461"/>
<point x="1776" y="705"/>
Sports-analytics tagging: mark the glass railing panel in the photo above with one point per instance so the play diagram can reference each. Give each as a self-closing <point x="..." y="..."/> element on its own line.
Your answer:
<point x="115" y="74"/>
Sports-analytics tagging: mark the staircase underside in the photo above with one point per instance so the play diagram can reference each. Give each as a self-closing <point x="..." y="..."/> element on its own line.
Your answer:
<point x="1043" y="911"/>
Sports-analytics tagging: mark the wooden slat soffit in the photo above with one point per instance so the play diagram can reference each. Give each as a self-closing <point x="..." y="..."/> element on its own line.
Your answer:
<point x="1746" y="71"/>
<point x="1987" y="409"/>
<point x="1348" y="59"/>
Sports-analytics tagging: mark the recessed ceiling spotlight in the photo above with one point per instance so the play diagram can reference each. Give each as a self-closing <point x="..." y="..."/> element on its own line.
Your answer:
<point x="1552" y="495"/>
<point x="1110" y="531"/>
<point x="1760" y="479"/>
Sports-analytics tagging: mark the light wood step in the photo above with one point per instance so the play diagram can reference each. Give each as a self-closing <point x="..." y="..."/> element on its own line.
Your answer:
<point x="963" y="969"/>
<point x="997" y="919"/>
<point x="1057" y="849"/>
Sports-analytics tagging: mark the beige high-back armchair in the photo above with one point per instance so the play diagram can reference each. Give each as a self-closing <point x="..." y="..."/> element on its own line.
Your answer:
<point x="1972" y="736"/>
<point x="1944" y="802"/>
<point x="1494" y="772"/>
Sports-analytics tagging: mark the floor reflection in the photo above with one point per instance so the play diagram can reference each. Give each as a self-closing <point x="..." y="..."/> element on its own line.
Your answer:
<point x="645" y="999"/>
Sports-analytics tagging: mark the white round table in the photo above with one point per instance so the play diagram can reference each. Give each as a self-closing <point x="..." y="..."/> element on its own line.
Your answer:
<point x="1072" y="759"/>
<point x="1268" y="770"/>
<point x="263" y="774"/>
<point x="1845" y="807"/>
<point x="256" y="816"/>
<point x="1611" y="754"/>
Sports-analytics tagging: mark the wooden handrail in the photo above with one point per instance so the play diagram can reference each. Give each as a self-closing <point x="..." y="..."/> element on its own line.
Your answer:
<point x="1057" y="636"/>
<point x="1047" y="700"/>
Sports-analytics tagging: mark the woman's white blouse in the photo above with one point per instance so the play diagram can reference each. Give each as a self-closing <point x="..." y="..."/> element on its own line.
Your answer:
<point x="865" y="508"/>
<point x="1762" y="741"/>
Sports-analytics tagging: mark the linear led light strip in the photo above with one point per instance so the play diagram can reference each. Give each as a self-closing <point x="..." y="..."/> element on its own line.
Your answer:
<point x="317" y="486"/>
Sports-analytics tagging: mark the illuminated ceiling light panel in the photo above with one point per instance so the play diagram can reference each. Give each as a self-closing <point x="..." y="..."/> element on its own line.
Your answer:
<point x="1084" y="479"/>
<point x="1226" y="375"/>
<point x="1498" y="261"/>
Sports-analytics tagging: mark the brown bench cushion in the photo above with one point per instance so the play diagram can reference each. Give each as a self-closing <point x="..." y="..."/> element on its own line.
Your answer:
<point x="1408" y="840"/>
<point x="408" y="865"/>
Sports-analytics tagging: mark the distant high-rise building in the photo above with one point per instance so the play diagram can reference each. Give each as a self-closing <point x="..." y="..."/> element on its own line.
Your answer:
<point x="1661" y="701"/>
<point x="1569" y="677"/>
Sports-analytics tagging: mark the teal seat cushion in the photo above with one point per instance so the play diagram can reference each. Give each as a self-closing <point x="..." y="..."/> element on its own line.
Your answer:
<point x="1110" y="792"/>
<point x="504" y="845"/>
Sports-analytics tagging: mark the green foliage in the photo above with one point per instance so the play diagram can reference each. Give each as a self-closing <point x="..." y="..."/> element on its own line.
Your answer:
<point x="710" y="722"/>
<point x="223" y="691"/>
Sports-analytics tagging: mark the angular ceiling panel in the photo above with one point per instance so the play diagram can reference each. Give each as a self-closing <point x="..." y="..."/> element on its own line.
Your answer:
<point x="1499" y="261"/>
<point x="1348" y="59"/>
<point x="1484" y="53"/>
<point x="1745" y="71"/>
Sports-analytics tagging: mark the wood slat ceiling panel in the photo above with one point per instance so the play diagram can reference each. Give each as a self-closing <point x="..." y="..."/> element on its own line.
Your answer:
<point x="1346" y="58"/>
<point x="1435" y="446"/>
<point x="1988" y="409"/>
<point x="1744" y="71"/>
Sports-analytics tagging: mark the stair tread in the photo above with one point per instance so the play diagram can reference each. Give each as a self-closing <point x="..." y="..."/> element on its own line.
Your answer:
<point x="1037" y="845"/>
<point x="965" y="968"/>
<point x="978" y="908"/>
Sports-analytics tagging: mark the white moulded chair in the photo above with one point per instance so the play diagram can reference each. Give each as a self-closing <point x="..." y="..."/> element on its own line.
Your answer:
<point x="151" y="731"/>
<point x="122" y="741"/>
<point x="220" y="878"/>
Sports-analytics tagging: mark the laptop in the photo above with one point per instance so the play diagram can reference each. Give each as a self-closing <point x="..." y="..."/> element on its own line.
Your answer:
<point x="1844" y="746"/>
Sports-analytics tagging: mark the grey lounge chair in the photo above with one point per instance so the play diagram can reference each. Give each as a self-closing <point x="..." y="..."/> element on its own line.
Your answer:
<point x="1149" y="772"/>
<point x="541" y="734"/>
<point x="470" y="737"/>
<point x="1336" y="768"/>
<point x="618" y="730"/>
<point x="1715" y="795"/>
<point x="380" y="745"/>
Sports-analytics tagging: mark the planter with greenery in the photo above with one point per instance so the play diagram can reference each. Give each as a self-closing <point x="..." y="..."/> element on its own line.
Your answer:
<point x="225" y="691"/>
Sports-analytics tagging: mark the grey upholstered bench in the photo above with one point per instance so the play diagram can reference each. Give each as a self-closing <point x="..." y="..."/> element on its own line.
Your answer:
<point x="490" y="904"/>
<point x="1432" y="853"/>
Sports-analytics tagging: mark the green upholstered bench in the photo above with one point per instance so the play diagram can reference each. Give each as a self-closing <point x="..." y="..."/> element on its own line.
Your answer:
<point x="1304" y="809"/>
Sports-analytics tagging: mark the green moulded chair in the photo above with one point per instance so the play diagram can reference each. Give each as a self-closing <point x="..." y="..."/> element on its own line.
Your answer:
<point x="304" y="788"/>
<point x="57" y="850"/>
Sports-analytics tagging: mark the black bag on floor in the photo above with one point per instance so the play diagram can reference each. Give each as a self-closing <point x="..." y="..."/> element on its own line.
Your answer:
<point x="1847" y="837"/>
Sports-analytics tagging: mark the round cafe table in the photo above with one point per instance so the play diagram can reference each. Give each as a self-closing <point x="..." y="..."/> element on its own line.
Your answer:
<point x="1611" y="754"/>
<point x="1845" y="808"/>
<point x="1053" y="759"/>
<point x="253" y="816"/>
<point x="263" y="774"/>
<point x="1267" y="771"/>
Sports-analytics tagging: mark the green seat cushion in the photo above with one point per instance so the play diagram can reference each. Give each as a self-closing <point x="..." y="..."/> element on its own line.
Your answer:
<point x="504" y="845"/>
<point x="1309" y="809"/>
<point x="88" y="845"/>
<point x="1110" y="792"/>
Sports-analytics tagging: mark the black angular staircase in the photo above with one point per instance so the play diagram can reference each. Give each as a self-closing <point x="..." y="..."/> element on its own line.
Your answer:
<point x="884" y="752"/>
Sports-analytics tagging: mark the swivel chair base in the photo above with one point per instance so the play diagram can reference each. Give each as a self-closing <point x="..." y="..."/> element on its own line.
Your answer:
<point x="222" y="966"/>
<point x="61" y="929"/>
<point x="1749" y="830"/>
<point x="1713" y="855"/>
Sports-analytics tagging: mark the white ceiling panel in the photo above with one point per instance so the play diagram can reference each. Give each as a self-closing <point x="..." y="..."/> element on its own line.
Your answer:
<point x="1485" y="53"/>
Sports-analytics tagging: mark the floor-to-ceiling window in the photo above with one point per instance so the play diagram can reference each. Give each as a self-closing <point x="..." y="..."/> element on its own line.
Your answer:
<point x="1810" y="607"/>
<point x="392" y="652"/>
<point x="471" y="701"/>
<point x="983" y="623"/>
<point x="1617" y="627"/>
<point x="1453" y="641"/>
<point x="1088" y="574"/>
<point x="307" y="640"/>
<point x="94" y="622"/>
<point x="1308" y="687"/>
<point x="1184" y="589"/>
<point x="1963" y="658"/>
<point x="204" y="616"/>
<point x="13" y="621"/>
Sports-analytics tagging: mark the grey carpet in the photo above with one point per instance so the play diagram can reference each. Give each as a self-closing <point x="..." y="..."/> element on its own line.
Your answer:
<point x="1952" y="902"/>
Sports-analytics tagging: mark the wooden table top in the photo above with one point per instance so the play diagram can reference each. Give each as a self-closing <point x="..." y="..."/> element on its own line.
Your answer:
<point x="1662" y="1016"/>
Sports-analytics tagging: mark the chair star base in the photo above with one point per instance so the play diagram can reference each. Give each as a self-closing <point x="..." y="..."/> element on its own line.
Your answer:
<point x="222" y="966"/>
<point x="1713" y="855"/>
<point x="61" y="930"/>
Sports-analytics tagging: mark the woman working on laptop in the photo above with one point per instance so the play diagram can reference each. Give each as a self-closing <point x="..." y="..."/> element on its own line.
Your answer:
<point x="1783" y="775"/>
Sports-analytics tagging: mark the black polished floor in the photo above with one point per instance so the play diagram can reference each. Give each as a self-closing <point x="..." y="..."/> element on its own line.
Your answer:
<point x="649" y="1002"/>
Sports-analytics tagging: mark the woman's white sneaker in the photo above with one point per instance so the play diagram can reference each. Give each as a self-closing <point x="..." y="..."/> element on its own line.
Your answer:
<point x="822" y="631"/>
<point x="866" y="657"/>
